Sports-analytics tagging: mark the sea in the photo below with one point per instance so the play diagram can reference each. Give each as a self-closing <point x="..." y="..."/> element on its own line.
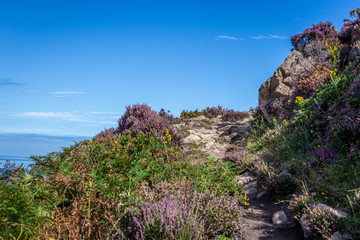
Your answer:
<point x="15" y="159"/>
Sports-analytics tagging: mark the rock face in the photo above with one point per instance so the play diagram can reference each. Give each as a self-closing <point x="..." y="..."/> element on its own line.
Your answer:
<point x="282" y="83"/>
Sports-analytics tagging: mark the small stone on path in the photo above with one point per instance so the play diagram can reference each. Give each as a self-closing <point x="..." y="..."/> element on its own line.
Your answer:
<point x="279" y="218"/>
<point x="251" y="191"/>
<point x="252" y="184"/>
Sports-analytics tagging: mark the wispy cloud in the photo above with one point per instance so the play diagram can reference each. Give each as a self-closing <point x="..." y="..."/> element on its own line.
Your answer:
<point x="261" y="37"/>
<point x="228" y="37"/>
<point x="65" y="93"/>
<point x="44" y="114"/>
<point x="27" y="130"/>
<point x="65" y="116"/>
<point x="8" y="82"/>
<point x="84" y="120"/>
<point x="101" y="113"/>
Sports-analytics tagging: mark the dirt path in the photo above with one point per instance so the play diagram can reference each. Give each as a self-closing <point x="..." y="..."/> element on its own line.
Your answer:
<point x="258" y="221"/>
<point x="213" y="137"/>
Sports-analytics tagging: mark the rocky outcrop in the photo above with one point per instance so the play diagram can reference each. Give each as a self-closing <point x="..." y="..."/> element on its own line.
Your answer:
<point x="284" y="80"/>
<point x="213" y="135"/>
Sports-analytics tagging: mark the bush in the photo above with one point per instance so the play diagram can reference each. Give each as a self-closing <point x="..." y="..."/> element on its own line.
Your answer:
<point x="307" y="84"/>
<point x="226" y="114"/>
<point x="238" y="158"/>
<point x="298" y="204"/>
<point x="214" y="111"/>
<point x="346" y="30"/>
<point x="173" y="217"/>
<point x="281" y="185"/>
<point x="233" y="116"/>
<point x="324" y="31"/>
<point x="103" y="135"/>
<point x="141" y="118"/>
<point x="185" y="216"/>
<point x="191" y="114"/>
<point x="168" y="116"/>
<point x="322" y="222"/>
<point x="20" y="216"/>
<point x="222" y="216"/>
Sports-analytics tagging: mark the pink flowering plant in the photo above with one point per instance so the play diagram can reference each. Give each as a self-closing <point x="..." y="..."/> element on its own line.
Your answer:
<point x="185" y="216"/>
<point x="324" y="31"/>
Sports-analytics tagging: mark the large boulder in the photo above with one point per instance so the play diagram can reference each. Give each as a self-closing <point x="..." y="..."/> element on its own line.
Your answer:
<point x="284" y="80"/>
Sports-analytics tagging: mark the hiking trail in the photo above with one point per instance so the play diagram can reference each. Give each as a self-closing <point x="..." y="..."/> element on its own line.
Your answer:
<point x="264" y="217"/>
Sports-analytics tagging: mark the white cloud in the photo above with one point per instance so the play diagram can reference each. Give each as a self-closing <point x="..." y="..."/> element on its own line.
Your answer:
<point x="64" y="93"/>
<point x="65" y="116"/>
<point x="105" y="113"/>
<point x="227" y="37"/>
<point x="260" y="37"/>
<point x="83" y="120"/>
<point x="44" y="114"/>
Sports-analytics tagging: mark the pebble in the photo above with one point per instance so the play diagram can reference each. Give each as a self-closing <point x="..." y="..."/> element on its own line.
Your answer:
<point x="279" y="218"/>
<point x="251" y="191"/>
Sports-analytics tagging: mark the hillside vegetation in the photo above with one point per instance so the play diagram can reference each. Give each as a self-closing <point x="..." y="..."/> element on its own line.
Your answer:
<point x="138" y="181"/>
<point x="318" y="141"/>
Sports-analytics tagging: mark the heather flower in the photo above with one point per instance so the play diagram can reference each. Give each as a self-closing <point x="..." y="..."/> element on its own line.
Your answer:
<point x="104" y="135"/>
<point x="321" y="152"/>
<point x="214" y="111"/>
<point x="322" y="222"/>
<point x="141" y="118"/>
<point x="196" y="216"/>
<point x="298" y="204"/>
<point x="346" y="30"/>
<point x="233" y="116"/>
<point x="324" y="31"/>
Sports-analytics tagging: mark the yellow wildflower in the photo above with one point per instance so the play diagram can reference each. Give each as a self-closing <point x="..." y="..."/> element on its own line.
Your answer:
<point x="299" y="100"/>
<point x="168" y="136"/>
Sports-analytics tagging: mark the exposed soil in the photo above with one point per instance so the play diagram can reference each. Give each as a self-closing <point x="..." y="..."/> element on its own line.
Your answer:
<point x="258" y="221"/>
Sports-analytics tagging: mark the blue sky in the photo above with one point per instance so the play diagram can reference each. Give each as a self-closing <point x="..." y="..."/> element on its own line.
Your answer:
<point x="69" y="68"/>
